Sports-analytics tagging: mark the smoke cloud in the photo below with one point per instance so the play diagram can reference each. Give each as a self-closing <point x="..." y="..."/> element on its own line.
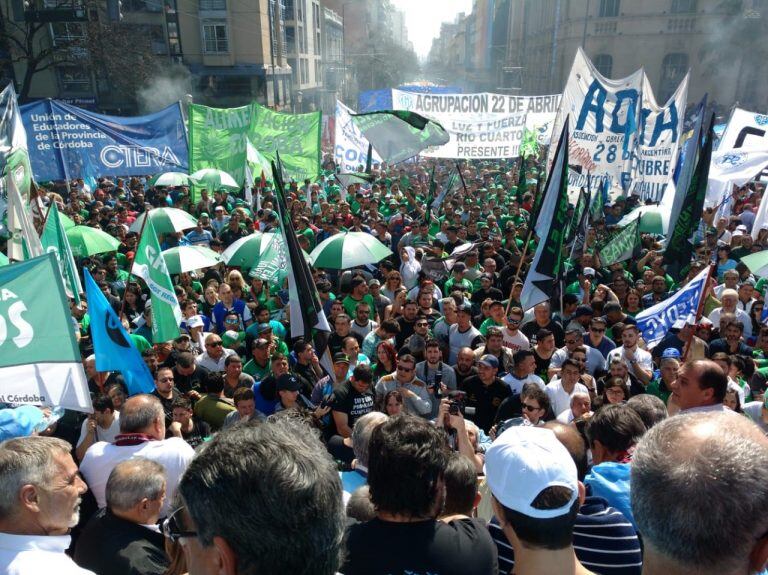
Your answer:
<point x="168" y="85"/>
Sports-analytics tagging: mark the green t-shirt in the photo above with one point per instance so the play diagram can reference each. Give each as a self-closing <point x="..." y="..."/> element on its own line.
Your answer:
<point x="255" y="370"/>
<point x="453" y="283"/>
<point x="350" y="304"/>
<point x="488" y="323"/>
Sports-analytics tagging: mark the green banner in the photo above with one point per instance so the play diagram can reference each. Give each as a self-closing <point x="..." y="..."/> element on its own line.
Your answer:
<point x="621" y="245"/>
<point x="295" y="136"/>
<point x="217" y="139"/>
<point x="39" y="359"/>
<point x="149" y="265"/>
<point x="54" y="239"/>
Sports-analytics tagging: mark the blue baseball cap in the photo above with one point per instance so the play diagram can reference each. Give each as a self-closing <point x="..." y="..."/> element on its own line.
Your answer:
<point x="670" y="352"/>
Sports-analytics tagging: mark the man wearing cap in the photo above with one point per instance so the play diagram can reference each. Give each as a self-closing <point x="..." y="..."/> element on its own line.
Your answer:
<point x="258" y="366"/>
<point x="535" y="496"/>
<point x="199" y="236"/>
<point x="352" y="399"/>
<point x="220" y="220"/>
<point x="485" y="392"/>
<point x="661" y="385"/>
<point x="290" y="397"/>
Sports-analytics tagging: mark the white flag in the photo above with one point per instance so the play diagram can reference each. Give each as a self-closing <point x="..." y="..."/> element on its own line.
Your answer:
<point x="24" y="242"/>
<point x="732" y="167"/>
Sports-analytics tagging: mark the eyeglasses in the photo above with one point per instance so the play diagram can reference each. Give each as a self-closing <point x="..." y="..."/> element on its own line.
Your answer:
<point x="529" y="407"/>
<point x="214" y="344"/>
<point x="597" y="329"/>
<point x="404" y="369"/>
<point x="421" y="324"/>
<point x="514" y="321"/>
<point x="173" y="531"/>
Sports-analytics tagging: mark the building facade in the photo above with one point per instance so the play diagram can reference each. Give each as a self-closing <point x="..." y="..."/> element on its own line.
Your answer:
<point x="334" y="70"/>
<point x="303" y="30"/>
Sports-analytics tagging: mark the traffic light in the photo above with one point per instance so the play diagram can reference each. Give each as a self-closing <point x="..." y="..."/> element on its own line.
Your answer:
<point x="114" y="10"/>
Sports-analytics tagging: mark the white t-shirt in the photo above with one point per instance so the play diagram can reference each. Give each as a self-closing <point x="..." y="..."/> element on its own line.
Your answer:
<point x="642" y="357"/>
<point x="595" y="359"/>
<point x="102" y="434"/>
<point x="515" y="342"/>
<point x="516" y="385"/>
<point x="741" y="316"/>
<point x="559" y="398"/>
<point x="174" y="454"/>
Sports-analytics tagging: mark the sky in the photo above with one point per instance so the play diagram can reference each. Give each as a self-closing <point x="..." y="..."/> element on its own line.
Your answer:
<point x="423" y="19"/>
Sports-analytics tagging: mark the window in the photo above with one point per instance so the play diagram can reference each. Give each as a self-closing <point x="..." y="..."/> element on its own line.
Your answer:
<point x="317" y="42"/>
<point x="300" y="10"/>
<point x="290" y="39"/>
<point x="288" y="9"/>
<point x="215" y="39"/>
<point x="74" y="79"/>
<point x="683" y="6"/>
<point x="609" y="8"/>
<point x="604" y="64"/>
<point x="67" y="33"/>
<point x="142" y="6"/>
<point x="213" y="5"/>
<point x="673" y="69"/>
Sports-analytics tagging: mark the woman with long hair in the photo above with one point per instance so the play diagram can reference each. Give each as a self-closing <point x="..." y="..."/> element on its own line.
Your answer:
<point x="632" y="302"/>
<point x="386" y="360"/>
<point x="393" y="282"/>
<point x="392" y="404"/>
<point x="134" y="305"/>
<point x="210" y="299"/>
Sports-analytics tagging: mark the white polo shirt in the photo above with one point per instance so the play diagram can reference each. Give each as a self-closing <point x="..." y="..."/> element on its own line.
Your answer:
<point x="31" y="554"/>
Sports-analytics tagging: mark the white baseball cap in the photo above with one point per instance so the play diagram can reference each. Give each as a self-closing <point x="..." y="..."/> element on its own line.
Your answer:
<point x="523" y="462"/>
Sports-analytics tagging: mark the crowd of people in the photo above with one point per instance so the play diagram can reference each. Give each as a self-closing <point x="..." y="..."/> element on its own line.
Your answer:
<point x="449" y="431"/>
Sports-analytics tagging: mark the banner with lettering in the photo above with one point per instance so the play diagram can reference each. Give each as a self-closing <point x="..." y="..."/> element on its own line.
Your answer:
<point x="661" y="128"/>
<point x="218" y="138"/>
<point x="350" y="150"/>
<point x="604" y="116"/>
<point x="481" y="125"/>
<point x="69" y="142"/>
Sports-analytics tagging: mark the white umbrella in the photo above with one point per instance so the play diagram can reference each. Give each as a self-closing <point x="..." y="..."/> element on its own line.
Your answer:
<point x="166" y="220"/>
<point x="170" y="179"/>
<point x="188" y="258"/>
<point x="214" y="179"/>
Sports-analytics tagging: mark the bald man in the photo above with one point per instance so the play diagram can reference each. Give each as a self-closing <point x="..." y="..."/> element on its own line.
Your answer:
<point x="703" y="509"/>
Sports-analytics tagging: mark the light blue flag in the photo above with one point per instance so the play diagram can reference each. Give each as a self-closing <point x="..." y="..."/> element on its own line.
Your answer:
<point x="114" y="350"/>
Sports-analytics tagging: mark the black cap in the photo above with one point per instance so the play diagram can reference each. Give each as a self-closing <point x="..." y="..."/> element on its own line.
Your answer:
<point x="288" y="382"/>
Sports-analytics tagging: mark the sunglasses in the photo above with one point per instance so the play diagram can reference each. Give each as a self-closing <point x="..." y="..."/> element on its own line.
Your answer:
<point x="214" y="344"/>
<point x="173" y="531"/>
<point x="597" y="330"/>
<point x="529" y="407"/>
<point x="514" y="321"/>
<point x="404" y="369"/>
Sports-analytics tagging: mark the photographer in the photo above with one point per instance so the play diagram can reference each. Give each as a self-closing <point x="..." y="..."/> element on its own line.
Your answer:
<point x="463" y="434"/>
<point x="485" y="392"/>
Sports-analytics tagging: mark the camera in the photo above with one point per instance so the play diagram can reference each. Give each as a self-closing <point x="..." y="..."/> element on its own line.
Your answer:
<point x="458" y="404"/>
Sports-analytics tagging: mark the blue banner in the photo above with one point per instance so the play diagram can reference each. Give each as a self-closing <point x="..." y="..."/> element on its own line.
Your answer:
<point x="69" y="142"/>
<point x="655" y="321"/>
<point x="377" y="100"/>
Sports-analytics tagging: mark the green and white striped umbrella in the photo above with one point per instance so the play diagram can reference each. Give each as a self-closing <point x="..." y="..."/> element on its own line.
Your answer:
<point x="189" y="258"/>
<point x="86" y="241"/>
<point x="171" y="179"/>
<point x="347" y="250"/>
<point x="245" y="252"/>
<point x="213" y="180"/>
<point x="166" y="220"/>
<point x="66" y="221"/>
<point x="757" y="263"/>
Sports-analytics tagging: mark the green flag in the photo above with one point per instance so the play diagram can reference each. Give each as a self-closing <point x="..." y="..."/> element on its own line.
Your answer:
<point x="54" y="239"/>
<point x="621" y="245"/>
<point x="598" y="203"/>
<point x="295" y="136"/>
<point x="677" y="256"/>
<point x="272" y="264"/>
<point x="40" y="363"/>
<point x="217" y="139"/>
<point x="573" y="224"/>
<point x="149" y="265"/>
<point x="530" y="144"/>
<point x="397" y="135"/>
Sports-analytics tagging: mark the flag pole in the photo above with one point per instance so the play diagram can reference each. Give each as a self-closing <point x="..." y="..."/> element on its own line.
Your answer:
<point x="699" y="310"/>
<point x="519" y="267"/>
<point x="130" y="269"/>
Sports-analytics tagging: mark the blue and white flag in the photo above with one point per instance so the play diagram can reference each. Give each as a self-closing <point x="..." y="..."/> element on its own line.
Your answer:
<point x="655" y="321"/>
<point x="114" y="350"/>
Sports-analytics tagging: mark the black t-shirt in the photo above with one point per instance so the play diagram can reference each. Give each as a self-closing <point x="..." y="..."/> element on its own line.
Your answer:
<point x="461" y="547"/>
<point x="406" y="330"/>
<point x="200" y="430"/>
<point x="485" y="399"/>
<point x="168" y="404"/>
<point x="542" y="365"/>
<point x="187" y="383"/>
<point x="348" y="400"/>
<point x="532" y="328"/>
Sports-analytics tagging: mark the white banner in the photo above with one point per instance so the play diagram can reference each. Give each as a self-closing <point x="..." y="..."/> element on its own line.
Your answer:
<point x="729" y="167"/>
<point x="745" y="130"/>
<point x="350" y="150"/>
<point x="604" y="117"/>
<point x="660" y="131"/>
<point x="482" y="125"/>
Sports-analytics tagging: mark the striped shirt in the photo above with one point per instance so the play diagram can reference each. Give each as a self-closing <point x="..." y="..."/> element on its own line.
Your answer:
<point x="604" y="541"/>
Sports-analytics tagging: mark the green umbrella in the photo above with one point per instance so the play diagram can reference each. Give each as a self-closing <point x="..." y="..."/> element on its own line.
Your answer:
<point x="348" y="250"/>
<point x="757" y="263"/>
<point x="170" y="179"/>
<point x="272" y="263"/>
<point x="66" y="221"/>
<point x="214" y="179"/>
<point x="188" y="258"/>
<point x="245" y="252"/>
<point x="653" y="219"/>
<point x="3" y="260"/>
<point x="166" y="220"/>
<point x="86" y="241"/>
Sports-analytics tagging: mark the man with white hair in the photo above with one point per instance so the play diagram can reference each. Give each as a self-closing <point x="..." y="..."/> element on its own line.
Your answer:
<point x="703" y="509"/>
<point x="581" y="404"/>
<point x="40" y="493"/>
<point x="120" y="539"/>
<point x="730" y="301"/>
<point x="361" y="436"/>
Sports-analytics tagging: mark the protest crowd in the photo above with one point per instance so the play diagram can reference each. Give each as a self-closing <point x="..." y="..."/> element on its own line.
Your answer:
<point x="419" y="366"/>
